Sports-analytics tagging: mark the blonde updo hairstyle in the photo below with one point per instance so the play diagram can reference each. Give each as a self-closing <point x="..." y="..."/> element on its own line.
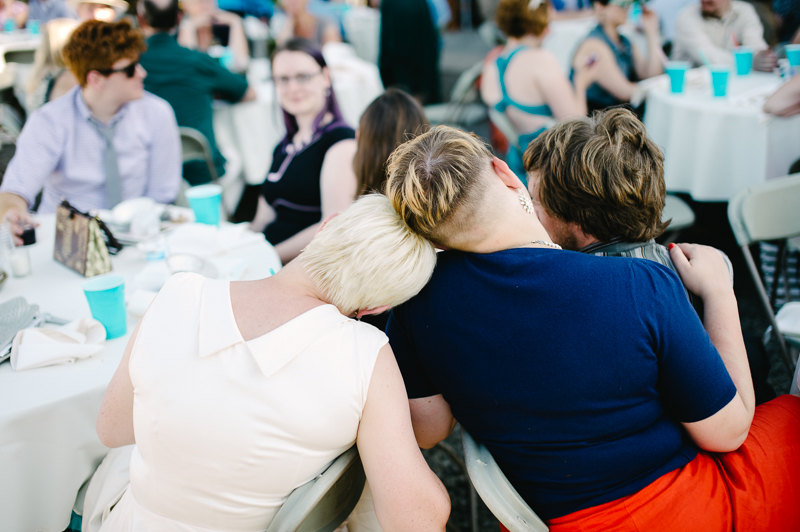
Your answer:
<point x="516" y="19"/>
<point x="436" y="182"/>
<point x="367" y="257"/>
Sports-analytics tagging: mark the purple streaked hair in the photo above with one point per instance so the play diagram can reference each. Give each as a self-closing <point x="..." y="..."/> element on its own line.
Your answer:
<point x="331" y="105"/>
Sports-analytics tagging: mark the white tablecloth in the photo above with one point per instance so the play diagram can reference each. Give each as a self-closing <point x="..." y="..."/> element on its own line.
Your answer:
<point x="715" y="147"/>
<point x="253" y="129"/>
<point x="48" y="443"/>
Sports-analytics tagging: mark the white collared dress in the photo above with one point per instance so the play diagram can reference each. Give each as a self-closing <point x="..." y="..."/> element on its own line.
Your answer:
<point x="226" y="428"/>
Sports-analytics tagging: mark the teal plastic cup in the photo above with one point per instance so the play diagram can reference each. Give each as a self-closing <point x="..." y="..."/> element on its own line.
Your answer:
<point x="676" y="70"/>
<point x="9" y="25"/>
<point x="793" y="54"/>
<point x="33" y="27"/>
<point x="744" y="60"/>
<point x="719" y="80"/>
<point x="205" y="201"/>
<point x="106" y="297"/>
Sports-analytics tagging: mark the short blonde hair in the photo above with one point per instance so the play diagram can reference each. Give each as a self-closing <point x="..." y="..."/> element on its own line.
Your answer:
<point x="435" y="182"/>
<point x="367" y="257"/>
<point x="55" y="35"/>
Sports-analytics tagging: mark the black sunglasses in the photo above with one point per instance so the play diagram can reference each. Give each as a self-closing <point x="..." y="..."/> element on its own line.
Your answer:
<point x="129" y="70"/>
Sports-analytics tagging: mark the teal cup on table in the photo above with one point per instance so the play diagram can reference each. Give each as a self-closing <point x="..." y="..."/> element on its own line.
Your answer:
<point x="33" y="27"/>
<point x="205" y="201"/>
<point x="744" y="60"/>
<point x="719" y="80"/>
<point x="676" y="70"/>
<point x="9" y="25"/>
<point x="793" y="54"/>
<point x="106" y="297"/>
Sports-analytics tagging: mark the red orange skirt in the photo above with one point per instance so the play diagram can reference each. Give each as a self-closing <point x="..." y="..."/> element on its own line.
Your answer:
<point x="755" y="488"/>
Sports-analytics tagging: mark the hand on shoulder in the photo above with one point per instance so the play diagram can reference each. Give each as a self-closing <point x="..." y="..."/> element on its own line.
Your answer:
<point x="702" y="269"/>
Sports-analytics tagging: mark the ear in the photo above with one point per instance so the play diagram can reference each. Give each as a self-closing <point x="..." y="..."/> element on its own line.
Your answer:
<point x="93" y="79"/>
<point x="505" y="174"/>
<point x="370" y="311"/>
<point x="325" y="222"/>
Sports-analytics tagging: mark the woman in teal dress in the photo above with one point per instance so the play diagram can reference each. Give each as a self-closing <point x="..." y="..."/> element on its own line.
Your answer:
<point x="525" y="82"/>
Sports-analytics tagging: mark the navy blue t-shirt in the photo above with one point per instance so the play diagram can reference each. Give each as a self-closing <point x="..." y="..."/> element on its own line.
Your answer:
<point x="573" y="370"/>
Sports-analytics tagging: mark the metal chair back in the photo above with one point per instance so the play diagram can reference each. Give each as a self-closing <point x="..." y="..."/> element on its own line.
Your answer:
<point x="322" y="504"/>
<point x="496" y="491"/>
<point x="768" y="211"/>
<point x="195" y="147"/>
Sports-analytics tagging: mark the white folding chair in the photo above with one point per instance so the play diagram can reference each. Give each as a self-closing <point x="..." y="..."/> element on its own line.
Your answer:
<point x="322" y="504"/>
<point x="769" y="211"/>
<point x="496" y="491"/>
<point x="464" y="108"/>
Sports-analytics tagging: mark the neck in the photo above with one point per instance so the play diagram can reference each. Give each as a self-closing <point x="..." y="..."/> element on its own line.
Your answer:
<point x="509" y="227"/>
<point x="101" y="108"/>
<point x="720" y="13"/>
<point x="611" y="31"/>
<point x="305" y="126"/>
<point x="530" y="41"/>
<point x="149" y="32"/>
<point x="294" y="278"/>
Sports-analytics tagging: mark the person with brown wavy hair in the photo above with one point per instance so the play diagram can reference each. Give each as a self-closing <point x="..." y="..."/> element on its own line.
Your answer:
<point x="390" y="120"/>
<point x="104" y="141"/>
<point x="589" y="379"/>
<point x="598" y="182"/>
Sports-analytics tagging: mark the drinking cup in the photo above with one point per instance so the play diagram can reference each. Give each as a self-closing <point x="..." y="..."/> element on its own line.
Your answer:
<point x="744" y="60"/>
<point x="106" y="297"/>
<point x="793" y="54"/>
<point x="719" y="79"/>
<point x="33" y="27"/>
<point x="10" y="25"/>
<point x="205" y="201"/>
<point x="676" y="70"/>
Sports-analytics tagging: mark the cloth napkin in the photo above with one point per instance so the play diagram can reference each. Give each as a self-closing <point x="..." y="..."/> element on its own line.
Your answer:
<point x="36" y="348"/>
<point x="202" y="240"/>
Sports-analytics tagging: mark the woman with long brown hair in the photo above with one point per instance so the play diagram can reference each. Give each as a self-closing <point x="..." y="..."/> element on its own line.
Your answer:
<point x="388" y="122"/>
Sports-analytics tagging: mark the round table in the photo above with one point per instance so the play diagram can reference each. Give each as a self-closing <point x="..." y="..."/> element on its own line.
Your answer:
<point x="715" y="147"/>
<point x="48" y="443"/>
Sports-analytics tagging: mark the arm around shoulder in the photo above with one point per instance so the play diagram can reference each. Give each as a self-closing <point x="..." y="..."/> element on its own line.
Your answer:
<point x="407" y="494"/>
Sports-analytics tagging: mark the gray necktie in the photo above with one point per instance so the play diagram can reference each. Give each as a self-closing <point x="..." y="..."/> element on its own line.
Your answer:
<point x="113" y="185"/>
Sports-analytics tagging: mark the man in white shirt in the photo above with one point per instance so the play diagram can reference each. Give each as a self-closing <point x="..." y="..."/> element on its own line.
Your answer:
<point x="714" y="27"/>
<point x="103" y="142"/>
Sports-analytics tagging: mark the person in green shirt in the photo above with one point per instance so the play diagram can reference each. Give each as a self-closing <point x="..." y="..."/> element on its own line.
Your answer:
<point x="187" y="79"/>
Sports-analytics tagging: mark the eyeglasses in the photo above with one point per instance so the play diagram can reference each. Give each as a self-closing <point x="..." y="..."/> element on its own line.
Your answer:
<point x="301" y="79"/>
<point x="129" y="70"/>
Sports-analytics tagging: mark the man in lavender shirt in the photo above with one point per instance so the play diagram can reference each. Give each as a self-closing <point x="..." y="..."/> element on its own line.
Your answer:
<point x="63" y="149"/>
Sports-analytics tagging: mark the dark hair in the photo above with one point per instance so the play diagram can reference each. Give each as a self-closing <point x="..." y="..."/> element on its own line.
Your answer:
<point x="390" y="120"/>
<point x="516" y="19"/>
<point x="331" y="106"/>
<point x="161" y="19"/>
<point x="602" y="173"/>
<point x="97" y="45"/>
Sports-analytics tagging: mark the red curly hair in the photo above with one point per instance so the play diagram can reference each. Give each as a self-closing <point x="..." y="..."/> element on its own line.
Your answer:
<point x="97" y="45"/>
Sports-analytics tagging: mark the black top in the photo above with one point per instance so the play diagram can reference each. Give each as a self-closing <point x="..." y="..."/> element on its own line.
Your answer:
<point x="296" y="195"/>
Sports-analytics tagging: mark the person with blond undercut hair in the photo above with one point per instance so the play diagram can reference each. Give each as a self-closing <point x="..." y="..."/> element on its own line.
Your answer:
<point x="104" y="141"/>
<point x="589" y="379"/>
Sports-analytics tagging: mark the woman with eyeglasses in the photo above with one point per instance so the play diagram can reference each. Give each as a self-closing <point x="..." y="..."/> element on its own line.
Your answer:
<point x="312" y="171"/>
<point x="620" y="64"/>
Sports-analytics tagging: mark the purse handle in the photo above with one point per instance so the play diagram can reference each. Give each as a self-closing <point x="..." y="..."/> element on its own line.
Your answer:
<point x="114" y="246"/>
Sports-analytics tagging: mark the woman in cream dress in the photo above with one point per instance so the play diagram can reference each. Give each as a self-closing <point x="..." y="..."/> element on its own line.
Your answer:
<point x="236" y="393"/>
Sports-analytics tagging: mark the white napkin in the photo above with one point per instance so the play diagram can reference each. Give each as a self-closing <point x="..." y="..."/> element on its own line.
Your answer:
<point x="202" y="240"/>
<point x="36" y="348"/>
